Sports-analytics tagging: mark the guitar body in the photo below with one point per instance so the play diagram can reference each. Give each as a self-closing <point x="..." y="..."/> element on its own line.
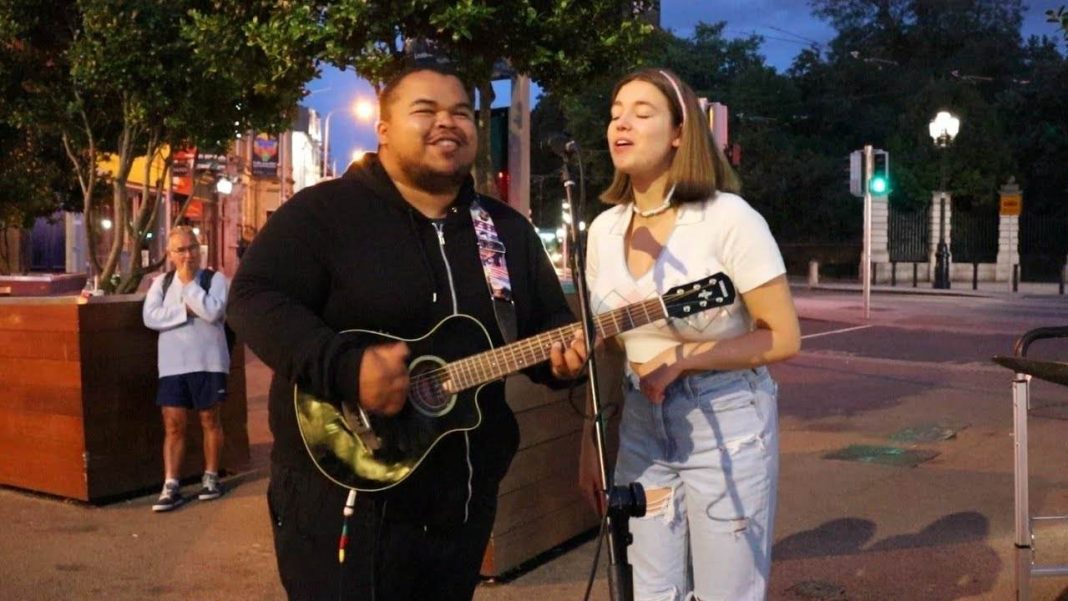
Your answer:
<point x="348" y="456"/>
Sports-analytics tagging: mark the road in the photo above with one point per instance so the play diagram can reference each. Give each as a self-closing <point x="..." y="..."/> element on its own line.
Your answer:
<point x="937" y="531"/>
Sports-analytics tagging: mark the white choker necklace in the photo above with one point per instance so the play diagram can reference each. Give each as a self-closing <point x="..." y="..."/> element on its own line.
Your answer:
<point x="664" y="206"/>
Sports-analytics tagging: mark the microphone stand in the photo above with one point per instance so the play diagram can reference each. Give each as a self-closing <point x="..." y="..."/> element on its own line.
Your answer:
<point x="623" y="502"/>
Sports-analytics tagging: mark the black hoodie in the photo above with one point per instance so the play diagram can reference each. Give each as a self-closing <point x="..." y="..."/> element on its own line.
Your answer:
<point x="351" y="253"/>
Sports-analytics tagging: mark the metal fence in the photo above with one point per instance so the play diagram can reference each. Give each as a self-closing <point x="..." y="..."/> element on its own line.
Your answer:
<point x="975" y="235"/>
<point x="908" y="235"/>
<point x="1043" y="244"/>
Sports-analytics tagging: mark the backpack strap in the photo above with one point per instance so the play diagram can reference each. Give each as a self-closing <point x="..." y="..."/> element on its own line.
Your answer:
<point x="168" y="279"/>
<point x="205" y="278"/>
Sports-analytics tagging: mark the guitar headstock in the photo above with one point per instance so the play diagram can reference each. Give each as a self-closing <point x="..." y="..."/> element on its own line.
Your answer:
<point x="700" y="295"/>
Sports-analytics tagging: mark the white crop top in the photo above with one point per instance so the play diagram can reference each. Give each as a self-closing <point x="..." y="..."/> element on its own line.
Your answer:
<point x="721" y="234"/>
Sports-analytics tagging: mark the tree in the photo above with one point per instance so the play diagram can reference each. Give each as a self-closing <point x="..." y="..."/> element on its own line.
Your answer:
<point x="138" y="78"/>
<point x="37" y="180"/>
<point x="1060" y="17"/>
<point x="560" y="44"/>
<point x="36" y="184"/>
<point x="715" y="67"/>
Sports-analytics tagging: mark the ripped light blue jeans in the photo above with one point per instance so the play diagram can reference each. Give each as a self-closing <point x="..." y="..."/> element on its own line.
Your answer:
<point x="714" y="444"/>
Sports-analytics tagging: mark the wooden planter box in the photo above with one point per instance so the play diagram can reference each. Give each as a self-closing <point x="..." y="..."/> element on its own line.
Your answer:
<point x="77" y="415"/>
<point x="539" y="503"/>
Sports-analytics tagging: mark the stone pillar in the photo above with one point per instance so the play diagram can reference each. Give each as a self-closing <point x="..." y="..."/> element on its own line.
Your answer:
<point x="932" y="242"/>
<point x="1008" y="230"/>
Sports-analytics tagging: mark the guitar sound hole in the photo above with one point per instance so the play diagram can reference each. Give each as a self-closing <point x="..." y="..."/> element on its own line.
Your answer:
<point x="425" y="391"/>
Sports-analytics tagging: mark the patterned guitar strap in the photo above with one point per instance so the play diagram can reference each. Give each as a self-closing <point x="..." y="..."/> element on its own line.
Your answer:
<point x="491" y="251"/>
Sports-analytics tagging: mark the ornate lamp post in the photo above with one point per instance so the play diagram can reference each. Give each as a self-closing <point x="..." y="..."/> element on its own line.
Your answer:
<point x="943" y="128"/>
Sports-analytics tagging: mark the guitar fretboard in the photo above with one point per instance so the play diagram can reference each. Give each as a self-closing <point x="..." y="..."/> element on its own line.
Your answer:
<point x="497" y="363"/>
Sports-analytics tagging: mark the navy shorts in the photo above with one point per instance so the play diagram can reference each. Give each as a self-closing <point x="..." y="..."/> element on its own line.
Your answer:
<point x="199" y="390"/>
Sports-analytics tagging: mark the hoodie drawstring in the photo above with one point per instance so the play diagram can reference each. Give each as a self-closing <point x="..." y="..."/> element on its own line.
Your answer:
<point x="423" y="256"/>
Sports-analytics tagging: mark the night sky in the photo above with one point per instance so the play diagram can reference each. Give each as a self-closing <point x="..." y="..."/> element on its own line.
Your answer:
<point x="786" y="25"/>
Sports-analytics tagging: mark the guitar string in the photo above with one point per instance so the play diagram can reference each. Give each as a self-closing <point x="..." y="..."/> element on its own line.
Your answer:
<point x="528" y="344"/>
<point x="472" y="364"/>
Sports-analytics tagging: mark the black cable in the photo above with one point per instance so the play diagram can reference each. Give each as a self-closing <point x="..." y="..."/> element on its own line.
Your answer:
<point x="596" y="555"/>
<point x="571" y="396"/>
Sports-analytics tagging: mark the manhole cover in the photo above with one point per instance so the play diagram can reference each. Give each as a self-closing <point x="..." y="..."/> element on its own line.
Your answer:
<point x="926" y="433"/>
<point x="883" y="455"/>
<point x="817" y="589"/>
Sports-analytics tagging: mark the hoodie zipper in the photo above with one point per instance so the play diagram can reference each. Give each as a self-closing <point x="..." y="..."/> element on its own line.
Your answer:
<point x="440" y="229"/>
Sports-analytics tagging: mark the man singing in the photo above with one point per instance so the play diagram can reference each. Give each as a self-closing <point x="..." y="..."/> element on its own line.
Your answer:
<point x="392" y="247"/>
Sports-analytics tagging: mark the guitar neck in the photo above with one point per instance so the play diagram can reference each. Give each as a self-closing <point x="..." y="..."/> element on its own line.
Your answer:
<point x="495" y="364"/>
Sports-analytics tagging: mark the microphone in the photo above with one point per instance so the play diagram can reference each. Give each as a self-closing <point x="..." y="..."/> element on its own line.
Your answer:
<point x="561" y="145"/>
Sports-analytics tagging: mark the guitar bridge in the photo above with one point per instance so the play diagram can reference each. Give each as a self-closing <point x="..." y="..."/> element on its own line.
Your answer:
<point x="364" y="430"/>
<point x="361" y="426"/>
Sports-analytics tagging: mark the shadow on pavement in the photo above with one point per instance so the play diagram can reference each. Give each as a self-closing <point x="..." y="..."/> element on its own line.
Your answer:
<point x="949" y="556"/>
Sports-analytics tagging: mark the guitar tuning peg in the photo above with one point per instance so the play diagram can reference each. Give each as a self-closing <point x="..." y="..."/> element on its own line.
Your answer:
<point x="704" y="303"/>
<point x="719" y="299"/>
<point x="686" y="309"/>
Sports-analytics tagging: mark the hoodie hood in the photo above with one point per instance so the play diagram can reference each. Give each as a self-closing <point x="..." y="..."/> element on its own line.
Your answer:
<point x="369" y="172"/>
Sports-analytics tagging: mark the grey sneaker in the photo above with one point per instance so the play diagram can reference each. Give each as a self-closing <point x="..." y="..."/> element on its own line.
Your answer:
<point x="211" y="489"/>
<point x="169" y="499"/>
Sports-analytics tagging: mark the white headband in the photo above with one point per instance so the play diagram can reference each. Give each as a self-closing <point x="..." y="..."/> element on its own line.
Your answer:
<point x="678" y="93"/>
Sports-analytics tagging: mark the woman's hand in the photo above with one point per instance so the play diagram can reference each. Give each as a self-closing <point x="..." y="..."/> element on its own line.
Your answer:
<point x="658" y="373"/>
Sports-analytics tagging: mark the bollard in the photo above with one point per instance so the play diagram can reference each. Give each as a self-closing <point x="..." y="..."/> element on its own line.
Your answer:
<point x="874" y="273"/>
<point x="975" y="276"/>
<point x="893" y="273"/>
<point x="813" y="273"/>
<point x="915" y="268"/>
<point x="1015" y="278"/>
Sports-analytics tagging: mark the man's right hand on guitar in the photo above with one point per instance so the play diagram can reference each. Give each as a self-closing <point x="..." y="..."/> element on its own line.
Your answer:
<point x="384" y="378"/>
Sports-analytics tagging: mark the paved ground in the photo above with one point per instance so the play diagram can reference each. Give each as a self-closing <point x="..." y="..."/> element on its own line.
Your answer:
<point x="845" y="530"/>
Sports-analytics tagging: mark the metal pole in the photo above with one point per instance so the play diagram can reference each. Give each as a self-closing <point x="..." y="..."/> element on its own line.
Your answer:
<point x="942" y="257"/>
<point x="1024" y="552"/>
<point x="866" y="271"/>
<point x="620" y="578"/>
<point x="326" y="145"/>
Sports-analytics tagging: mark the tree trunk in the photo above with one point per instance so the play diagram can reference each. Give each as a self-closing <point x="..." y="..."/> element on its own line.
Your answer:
<point x="120" y="199"/>
<point x="144" y="221"/>
<point x="5" y="251"/>
<point x="25" y="259"/>
<point x="485" y="182"/>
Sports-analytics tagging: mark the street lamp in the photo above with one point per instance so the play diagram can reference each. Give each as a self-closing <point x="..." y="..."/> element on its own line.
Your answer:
<point x="943" y="128"/>
<point x="365" y="110"/>
<point x="224" y="186"/>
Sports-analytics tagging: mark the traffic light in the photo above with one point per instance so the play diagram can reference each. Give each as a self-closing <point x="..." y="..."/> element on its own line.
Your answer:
<point x="879" y="184"/>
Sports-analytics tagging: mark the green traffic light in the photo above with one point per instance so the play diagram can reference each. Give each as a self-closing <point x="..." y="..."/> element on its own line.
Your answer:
<point x="877" y="185"/>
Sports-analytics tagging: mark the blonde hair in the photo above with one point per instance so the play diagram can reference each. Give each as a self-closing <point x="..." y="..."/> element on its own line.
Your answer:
<point x="184" y="230"/>
<point x="698" y="169"/>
